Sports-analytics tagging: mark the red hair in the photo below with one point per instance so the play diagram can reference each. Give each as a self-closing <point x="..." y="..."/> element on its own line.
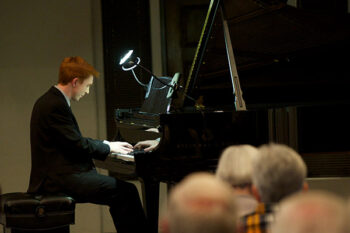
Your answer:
<point x="75" y="67"/>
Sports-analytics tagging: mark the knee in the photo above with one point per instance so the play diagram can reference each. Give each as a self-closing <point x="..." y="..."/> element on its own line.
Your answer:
<point x="127" y="190"/>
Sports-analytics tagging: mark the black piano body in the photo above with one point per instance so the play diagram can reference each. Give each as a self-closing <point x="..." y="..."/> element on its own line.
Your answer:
<point x="190" y="142"/>
<point x="293" y="73"/>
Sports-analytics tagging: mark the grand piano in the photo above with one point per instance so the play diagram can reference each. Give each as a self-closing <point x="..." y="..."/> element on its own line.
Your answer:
<point x="263" y="72"/>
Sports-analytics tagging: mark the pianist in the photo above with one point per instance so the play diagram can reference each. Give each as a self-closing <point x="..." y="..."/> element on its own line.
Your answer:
<point x="62" y="157"/>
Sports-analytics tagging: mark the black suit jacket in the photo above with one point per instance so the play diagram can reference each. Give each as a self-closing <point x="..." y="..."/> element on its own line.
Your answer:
<point x="57" y="146"/>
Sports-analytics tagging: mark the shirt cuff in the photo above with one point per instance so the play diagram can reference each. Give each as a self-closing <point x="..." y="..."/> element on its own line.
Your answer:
<point x="107" y="143"/>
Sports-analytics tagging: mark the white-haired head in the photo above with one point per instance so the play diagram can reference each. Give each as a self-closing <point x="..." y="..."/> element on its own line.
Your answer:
<point x="235" y="165"/>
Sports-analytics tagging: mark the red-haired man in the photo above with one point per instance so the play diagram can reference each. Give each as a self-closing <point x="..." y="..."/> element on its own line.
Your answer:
<point x="62" y="157"/>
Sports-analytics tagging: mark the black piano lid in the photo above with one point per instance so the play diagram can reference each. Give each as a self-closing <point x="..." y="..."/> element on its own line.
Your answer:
<point x="284" y="55"/>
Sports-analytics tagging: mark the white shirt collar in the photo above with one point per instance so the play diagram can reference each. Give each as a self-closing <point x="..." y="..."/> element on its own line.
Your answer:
<point x="67" y="99"/>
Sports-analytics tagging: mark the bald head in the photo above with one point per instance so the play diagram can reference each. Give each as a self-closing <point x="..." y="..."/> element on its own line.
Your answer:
<point x="202" y="203"/>
<point x="312" y="212"/>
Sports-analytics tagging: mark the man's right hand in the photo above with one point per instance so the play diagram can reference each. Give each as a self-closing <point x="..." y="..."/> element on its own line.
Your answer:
<point x="120" y="147"/>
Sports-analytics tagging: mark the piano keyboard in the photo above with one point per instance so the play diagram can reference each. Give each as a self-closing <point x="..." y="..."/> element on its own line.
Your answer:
<point x="127" y="157"/>
<point x="124" y="157"/>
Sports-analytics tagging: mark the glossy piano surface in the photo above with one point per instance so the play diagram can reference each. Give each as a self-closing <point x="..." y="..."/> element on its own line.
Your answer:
<point x="192" y="137"/>
<point x="285" y="56"/>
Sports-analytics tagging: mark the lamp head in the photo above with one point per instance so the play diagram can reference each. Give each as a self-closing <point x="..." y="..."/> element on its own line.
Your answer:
<point x="128" y="61"/>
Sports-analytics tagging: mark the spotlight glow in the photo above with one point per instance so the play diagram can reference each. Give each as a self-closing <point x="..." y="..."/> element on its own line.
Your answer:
<point x="126" y="57"/>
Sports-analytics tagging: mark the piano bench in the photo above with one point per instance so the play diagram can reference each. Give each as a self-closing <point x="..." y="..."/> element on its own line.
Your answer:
<point x="29" y="213"/>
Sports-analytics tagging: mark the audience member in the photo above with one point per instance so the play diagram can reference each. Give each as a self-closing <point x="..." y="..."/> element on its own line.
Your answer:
<point x="278" y="171"/>
<point x="312" y="212"/>
<point x="235" y="168"/>
<point x="201" y="204"/>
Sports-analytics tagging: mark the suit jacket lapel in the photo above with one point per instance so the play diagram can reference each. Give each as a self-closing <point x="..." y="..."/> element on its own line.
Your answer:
<point x="74" y="120"/>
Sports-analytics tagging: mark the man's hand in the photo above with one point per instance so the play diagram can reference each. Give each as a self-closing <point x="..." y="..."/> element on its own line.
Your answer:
<point x="120" y="147"/>
<point x="147" y="145"/>
<point x="155" y="130"/>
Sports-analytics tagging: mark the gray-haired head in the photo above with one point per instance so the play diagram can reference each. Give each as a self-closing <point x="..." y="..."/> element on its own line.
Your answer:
<point x="278" y="171"/>
<point x="235" y="164"/>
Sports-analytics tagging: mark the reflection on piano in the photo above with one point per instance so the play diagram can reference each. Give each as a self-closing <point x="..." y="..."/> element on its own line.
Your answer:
<point x="289" y="65"/>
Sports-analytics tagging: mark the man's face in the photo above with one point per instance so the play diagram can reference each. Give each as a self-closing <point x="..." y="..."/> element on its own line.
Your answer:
<point x="80" y="89"/>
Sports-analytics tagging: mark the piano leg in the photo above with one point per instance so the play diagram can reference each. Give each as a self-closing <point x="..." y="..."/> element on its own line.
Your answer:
<point x="150" y="197"/>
